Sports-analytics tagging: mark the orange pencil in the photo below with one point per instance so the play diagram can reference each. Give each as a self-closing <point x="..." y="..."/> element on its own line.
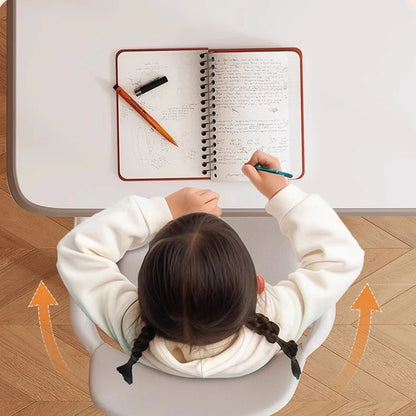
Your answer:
<point x="144" y="114"/>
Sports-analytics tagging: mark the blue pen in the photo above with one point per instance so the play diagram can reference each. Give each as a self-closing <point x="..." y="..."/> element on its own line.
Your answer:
<point x="260" y="167"/>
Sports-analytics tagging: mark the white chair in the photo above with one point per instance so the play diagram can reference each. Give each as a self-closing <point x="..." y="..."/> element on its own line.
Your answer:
<point x="155" y="393"/>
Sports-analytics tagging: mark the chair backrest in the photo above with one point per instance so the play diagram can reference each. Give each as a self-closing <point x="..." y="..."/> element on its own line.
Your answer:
<point x="154" y="392"/>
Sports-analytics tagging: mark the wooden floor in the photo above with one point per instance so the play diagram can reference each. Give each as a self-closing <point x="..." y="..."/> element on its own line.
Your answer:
<point x="384" y="384"/>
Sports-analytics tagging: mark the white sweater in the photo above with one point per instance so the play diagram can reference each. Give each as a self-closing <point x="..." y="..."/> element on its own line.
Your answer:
<point x="331" y="259"/>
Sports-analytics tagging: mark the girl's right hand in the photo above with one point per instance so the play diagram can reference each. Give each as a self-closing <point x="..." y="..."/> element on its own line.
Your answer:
<point x="269" y="184"/>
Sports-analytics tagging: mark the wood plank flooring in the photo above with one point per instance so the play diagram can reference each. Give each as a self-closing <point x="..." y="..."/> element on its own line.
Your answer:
<point x="384" y="384"/>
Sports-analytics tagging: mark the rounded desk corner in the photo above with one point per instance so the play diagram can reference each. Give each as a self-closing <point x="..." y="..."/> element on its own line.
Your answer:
<point x="26" y="204"/>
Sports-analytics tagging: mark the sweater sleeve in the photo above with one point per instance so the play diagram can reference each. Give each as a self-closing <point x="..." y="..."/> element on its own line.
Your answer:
<point x="87" y="257"/>
<point x="331" y="259"/>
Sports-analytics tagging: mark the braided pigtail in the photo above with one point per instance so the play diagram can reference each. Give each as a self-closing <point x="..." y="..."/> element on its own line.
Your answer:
<point x="141" y="343"/>
<point x="263" y="326"/>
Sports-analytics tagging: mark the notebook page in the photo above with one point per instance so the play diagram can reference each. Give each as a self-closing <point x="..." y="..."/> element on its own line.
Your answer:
<point x="251" y="106"/>
<point x="175" y="105"/>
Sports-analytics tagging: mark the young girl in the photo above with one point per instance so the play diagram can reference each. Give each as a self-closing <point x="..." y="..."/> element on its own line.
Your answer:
<point x="200" y="310"/>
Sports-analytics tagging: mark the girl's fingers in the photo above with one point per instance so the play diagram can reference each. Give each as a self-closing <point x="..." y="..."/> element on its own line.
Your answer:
<point x="204" y="191"/>
<point x="208" y="200"/>
<point x="211" y="207"/>
<point x="208" y="195"/>
<point x="264" y="159"/>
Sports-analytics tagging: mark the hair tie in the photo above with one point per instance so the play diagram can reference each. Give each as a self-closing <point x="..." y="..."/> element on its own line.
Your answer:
<point x="295" y="367"/>
<point x="290" y="348"/>
<point x="140" y="344"/>
<point x="269" y="329"/>
<point x="126" y="369"/>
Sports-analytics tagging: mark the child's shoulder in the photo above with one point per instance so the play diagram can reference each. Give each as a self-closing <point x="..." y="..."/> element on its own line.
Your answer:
<point x="281" y="305"/>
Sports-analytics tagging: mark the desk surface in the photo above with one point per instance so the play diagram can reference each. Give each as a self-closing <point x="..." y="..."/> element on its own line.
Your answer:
<point x="359" y="96"/>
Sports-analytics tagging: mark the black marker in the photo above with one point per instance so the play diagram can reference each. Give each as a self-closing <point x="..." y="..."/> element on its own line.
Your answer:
<point x="153" y="84"/>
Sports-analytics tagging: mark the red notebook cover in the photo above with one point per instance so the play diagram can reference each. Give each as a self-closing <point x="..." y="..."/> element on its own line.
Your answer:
<point x="296" y="50"/>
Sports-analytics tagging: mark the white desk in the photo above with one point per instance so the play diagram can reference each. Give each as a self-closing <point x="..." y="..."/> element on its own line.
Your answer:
<point x="359" y="96"/>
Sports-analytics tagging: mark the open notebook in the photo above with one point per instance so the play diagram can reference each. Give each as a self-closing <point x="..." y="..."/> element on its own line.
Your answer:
<point x="218" y="105"/>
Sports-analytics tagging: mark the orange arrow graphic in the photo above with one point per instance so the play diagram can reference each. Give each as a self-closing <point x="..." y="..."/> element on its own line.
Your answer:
<point x="43" y="298"/>
<point x="365" y="302"/>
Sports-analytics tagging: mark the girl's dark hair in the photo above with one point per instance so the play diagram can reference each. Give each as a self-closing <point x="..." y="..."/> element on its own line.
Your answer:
<point x="198" y="285"/>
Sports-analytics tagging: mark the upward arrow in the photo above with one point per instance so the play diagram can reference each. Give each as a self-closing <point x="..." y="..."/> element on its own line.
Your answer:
<point x="43" y="298"/>
<point x="365" y="303"/>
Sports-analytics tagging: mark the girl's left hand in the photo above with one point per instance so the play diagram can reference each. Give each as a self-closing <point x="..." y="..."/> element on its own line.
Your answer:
<point x="189" y="200"/>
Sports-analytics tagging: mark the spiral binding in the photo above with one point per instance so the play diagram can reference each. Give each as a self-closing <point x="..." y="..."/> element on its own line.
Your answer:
<point x="208" y="65"/>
